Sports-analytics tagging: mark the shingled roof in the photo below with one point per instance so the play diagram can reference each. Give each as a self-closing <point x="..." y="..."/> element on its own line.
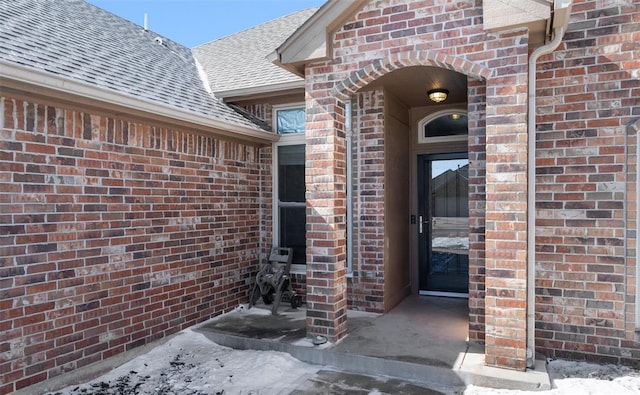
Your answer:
<point x="240" y="60"/>
<point x="76" y="40"/>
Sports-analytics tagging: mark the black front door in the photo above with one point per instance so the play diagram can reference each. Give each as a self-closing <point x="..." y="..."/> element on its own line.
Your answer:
<point x="443" y="224"/>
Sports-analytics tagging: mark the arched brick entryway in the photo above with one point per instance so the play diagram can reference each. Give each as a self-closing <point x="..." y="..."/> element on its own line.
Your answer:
<point x="497" y="71"/>
<point x="476" y="74"/>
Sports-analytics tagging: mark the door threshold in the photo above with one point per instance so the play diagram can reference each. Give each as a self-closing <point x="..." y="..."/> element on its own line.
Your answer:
<point x="445" y="294"/>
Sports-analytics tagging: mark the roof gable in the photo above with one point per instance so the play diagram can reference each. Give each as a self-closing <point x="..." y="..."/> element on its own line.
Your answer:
<point x="239" y="61"/>
<point x="312" y="41"/>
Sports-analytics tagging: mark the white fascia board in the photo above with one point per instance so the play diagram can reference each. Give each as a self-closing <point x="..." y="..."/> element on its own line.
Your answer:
<point x="310" y="38"/>
<point x="260" y="90"/>
<point x="311" y="41"/>
<point x="45" y="80"/>
<point x="500" y="15"/>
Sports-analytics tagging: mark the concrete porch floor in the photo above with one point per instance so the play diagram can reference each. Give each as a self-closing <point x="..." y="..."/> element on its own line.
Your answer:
<point x="423" y="340"/>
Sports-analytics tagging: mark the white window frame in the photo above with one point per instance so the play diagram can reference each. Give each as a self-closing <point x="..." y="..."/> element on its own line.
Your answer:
<point x="285" y="139"/>
<point x="440" y="139"/>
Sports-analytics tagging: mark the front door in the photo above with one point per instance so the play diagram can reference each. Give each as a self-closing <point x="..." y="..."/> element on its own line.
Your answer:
<point x="443" y="224"/>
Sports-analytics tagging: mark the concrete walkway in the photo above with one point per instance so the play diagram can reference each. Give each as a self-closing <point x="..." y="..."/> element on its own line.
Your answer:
<point x="421" y="343"/>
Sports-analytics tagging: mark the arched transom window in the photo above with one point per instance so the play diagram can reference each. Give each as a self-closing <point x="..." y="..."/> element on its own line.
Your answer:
<point x="442" y="126"/>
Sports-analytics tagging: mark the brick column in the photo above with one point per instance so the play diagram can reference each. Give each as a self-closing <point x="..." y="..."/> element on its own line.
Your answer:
<point x="326" y="217"/>
<point x="477" y="203"/>
<point x="506" y="207"/>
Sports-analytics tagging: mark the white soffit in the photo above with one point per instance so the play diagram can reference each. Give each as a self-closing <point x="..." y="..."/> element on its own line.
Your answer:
<point x="508" y="14"/>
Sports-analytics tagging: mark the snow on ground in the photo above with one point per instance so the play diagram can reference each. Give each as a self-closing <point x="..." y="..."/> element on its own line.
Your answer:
<point x="191" y="364"/>
<point x="450" y="242"/>
<point x="579" y="378"/>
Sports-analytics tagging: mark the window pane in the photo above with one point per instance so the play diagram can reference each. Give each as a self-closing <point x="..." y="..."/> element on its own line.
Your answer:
<point x="446" y="125"/>
<point x="291" y="173"/>
<point x="290" y="121"/>
<point x="293" y="223"/>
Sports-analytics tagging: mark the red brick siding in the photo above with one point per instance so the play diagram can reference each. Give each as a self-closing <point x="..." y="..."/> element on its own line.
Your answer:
<point x="477" y="201"/>
<point x="506" y="204"/>
<point x="325" y="178"/>
<point x="263" y="111"/>
<point x="266" y="201"/>
<point x="114" y="234"/>
<point x="633" y="228"/>
<point x="366" y="286"/>
<point x="588" y="95"/>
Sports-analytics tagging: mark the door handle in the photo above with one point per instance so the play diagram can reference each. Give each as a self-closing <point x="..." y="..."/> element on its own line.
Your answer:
<point x="422" y="222"/>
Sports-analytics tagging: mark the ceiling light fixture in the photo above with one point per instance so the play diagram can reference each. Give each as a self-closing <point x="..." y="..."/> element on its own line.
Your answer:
<point x="438" y="95"/>
<point x="455" y="116"/>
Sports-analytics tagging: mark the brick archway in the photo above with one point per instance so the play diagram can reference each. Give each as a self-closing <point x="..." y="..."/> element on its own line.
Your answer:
<point x="497" y="74"/>
<point x="477" y="75"/>
<point x="361" y="78"/>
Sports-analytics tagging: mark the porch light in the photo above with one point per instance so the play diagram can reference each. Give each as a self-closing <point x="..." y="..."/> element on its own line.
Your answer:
<point x="438" y="95"/>
<point x="455" y="116"/>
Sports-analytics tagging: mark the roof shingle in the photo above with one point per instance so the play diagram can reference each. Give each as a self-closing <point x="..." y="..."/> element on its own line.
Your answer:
<point x="77" y="40"/>
<point x="240" y="60"/>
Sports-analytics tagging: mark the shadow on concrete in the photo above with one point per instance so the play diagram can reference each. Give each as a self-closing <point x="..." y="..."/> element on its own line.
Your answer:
<point x="423" y="340"/>
<point x="424" y="330"/>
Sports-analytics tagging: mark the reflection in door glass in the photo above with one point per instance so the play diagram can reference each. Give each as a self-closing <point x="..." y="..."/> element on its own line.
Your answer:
<point x="440" y="166"/>
<point x="449" y="225"/>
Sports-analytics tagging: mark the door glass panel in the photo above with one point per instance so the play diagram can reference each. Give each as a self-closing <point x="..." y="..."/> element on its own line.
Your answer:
<point x="446" y="226"/>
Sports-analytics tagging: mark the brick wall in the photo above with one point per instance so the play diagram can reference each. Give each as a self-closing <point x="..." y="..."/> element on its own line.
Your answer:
<point x="113" y="234"/>
<point x="506" y="204"/>
<point x="589" y="94"/>
<point x="476" y="107"/>
<point x="263" y="111"/>
<point x="366" y="286"/>
<point x="266" y="201"/>
<point x="325" y="179"/>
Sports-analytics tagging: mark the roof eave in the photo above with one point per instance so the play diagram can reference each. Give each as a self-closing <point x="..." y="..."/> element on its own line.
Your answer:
<point x="311" y="42"/>
<point x="18" y="77"/>
<point x="260" y="91"/>
<point x="539" y="16"/>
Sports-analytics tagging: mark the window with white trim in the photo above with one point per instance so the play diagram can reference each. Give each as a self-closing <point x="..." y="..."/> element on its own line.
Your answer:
<point x="444" y="126"/>
<point x="290" y="220"/>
